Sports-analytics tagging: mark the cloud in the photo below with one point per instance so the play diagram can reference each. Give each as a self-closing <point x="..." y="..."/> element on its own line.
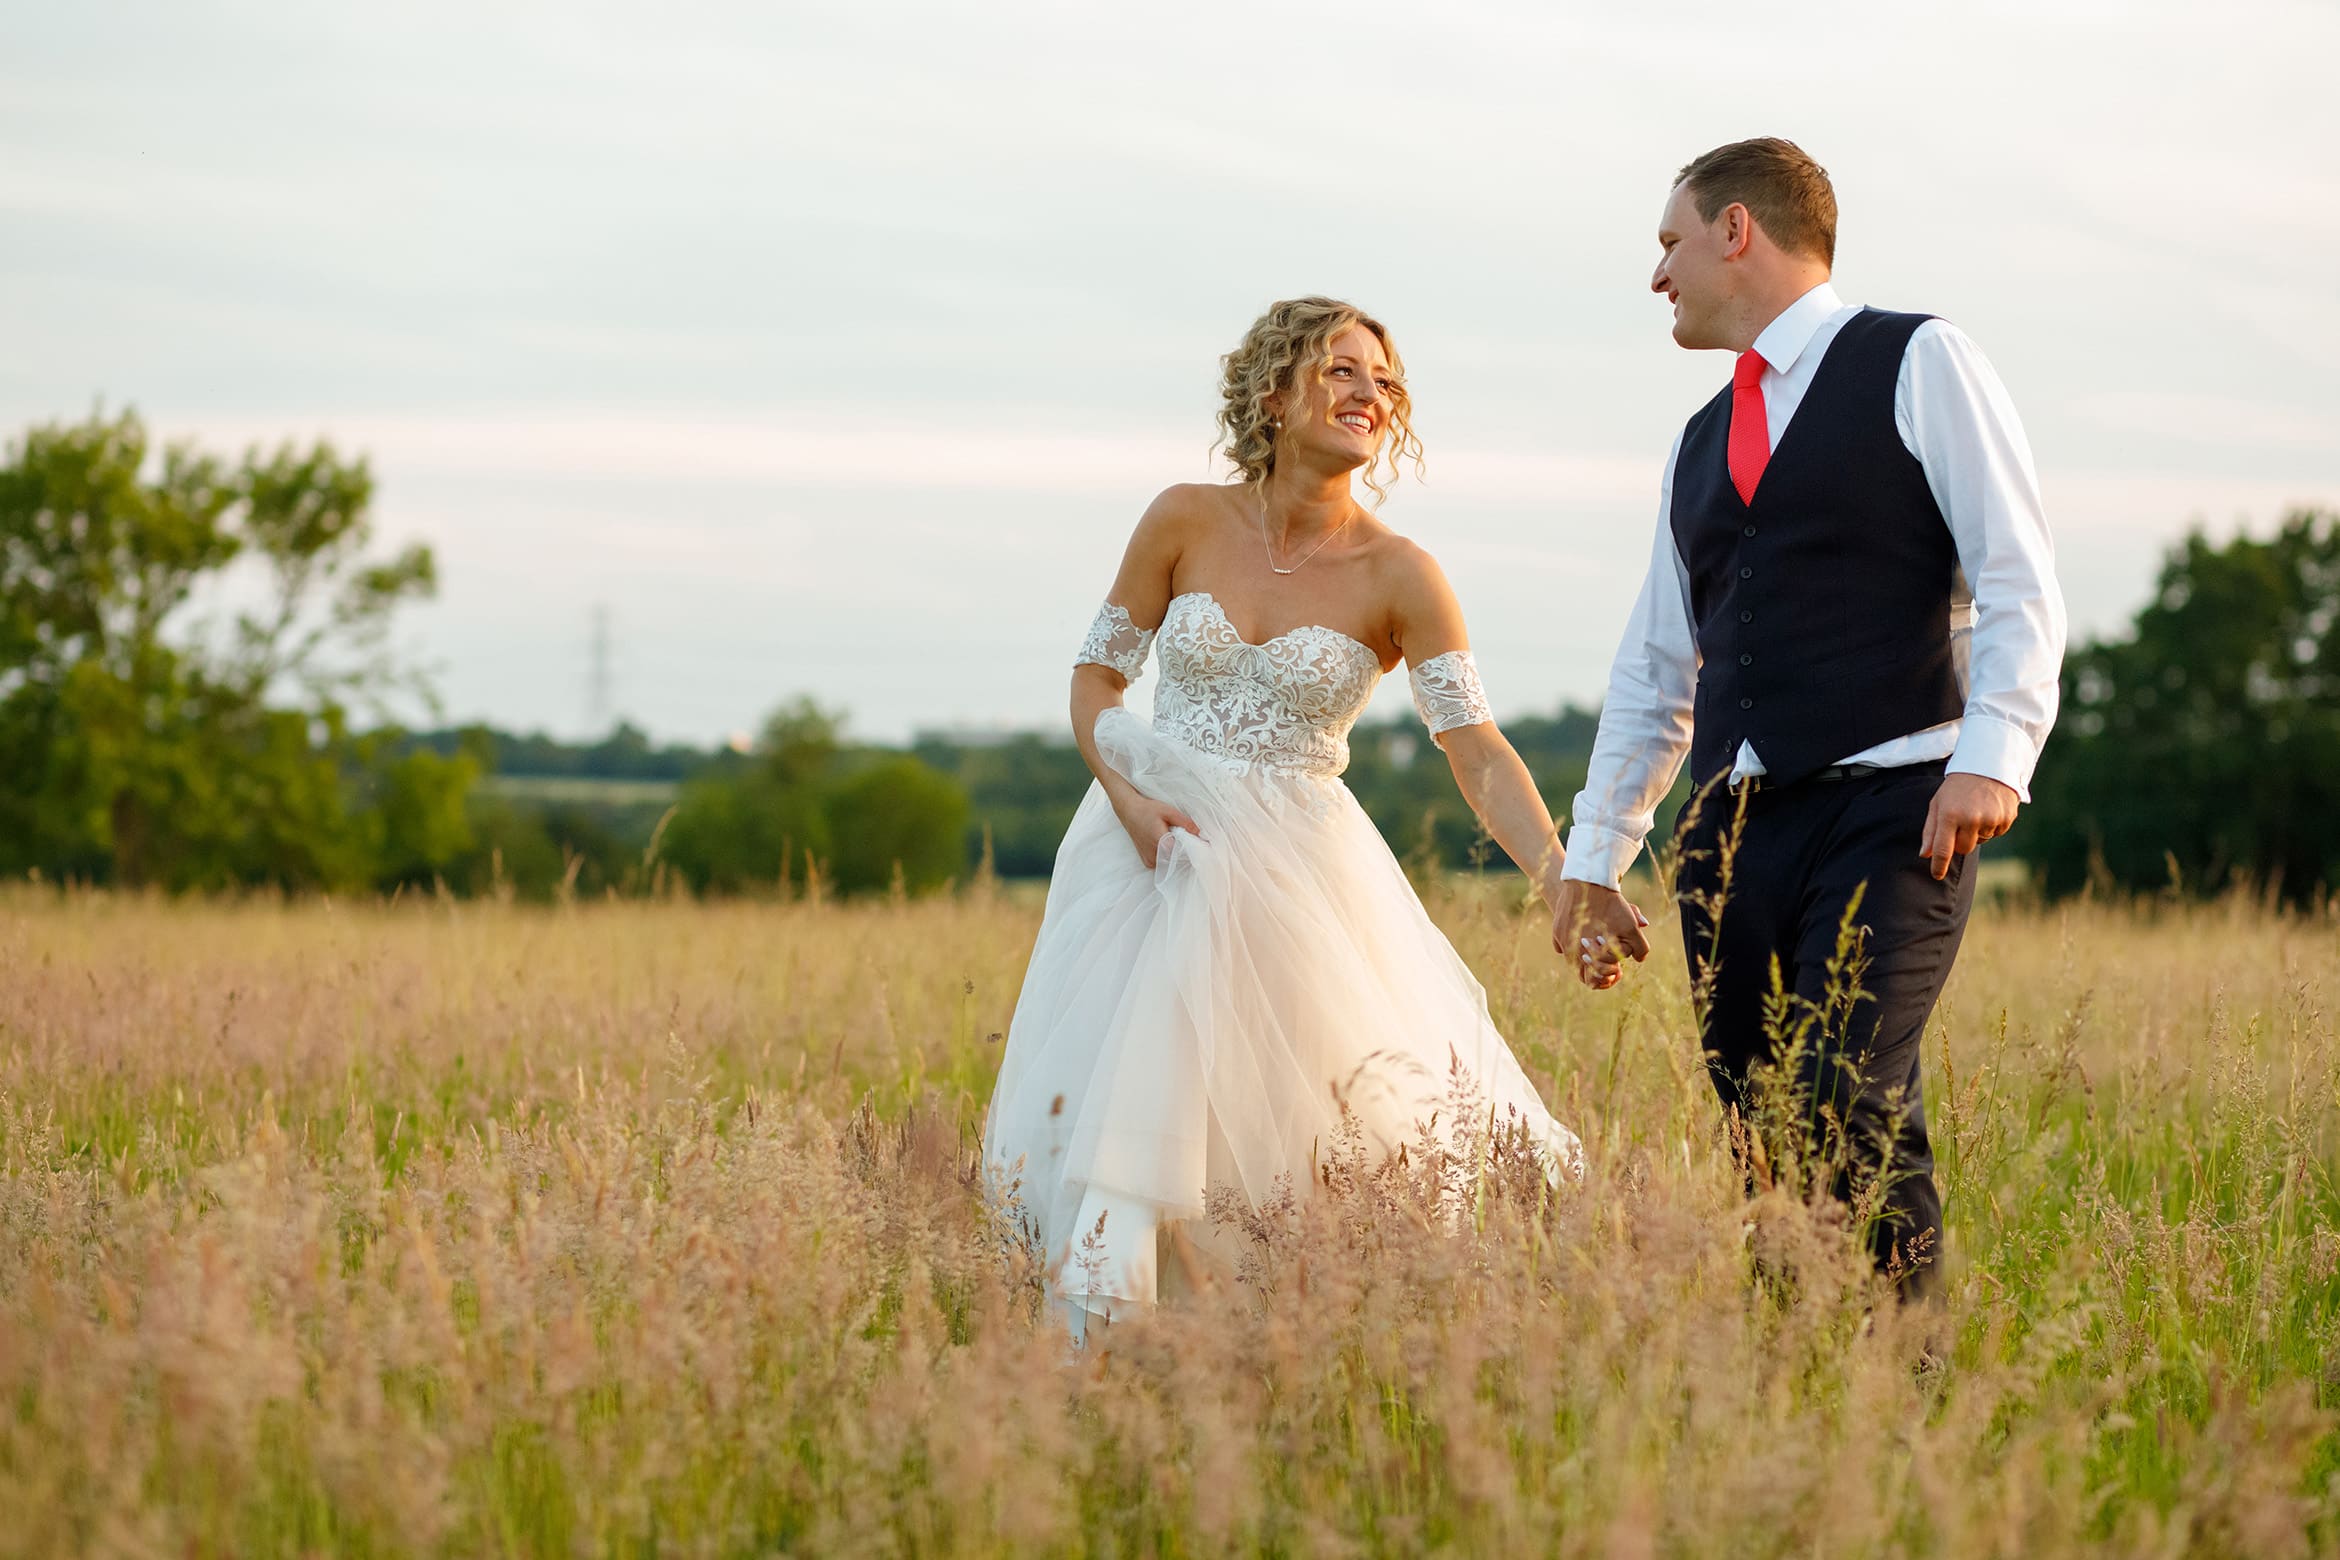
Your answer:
<point x="794" y="447"/>
<point x="2155" y="507"/>
<point x="2215" y="420"/>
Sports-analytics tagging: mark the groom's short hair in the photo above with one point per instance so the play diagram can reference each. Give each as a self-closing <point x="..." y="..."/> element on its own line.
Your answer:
<point x="1779" y="184"/>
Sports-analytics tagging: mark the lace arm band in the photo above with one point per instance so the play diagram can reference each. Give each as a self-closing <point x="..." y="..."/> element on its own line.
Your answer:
<point x="1447" y="692"/>
<point x="1116" y="642"/>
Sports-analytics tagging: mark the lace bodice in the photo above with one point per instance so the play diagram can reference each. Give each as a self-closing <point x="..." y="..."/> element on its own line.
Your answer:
<point x="1287" y="703"/>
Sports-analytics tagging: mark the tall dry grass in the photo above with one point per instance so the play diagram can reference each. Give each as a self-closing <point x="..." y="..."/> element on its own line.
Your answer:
<point x="465" y="1228"/>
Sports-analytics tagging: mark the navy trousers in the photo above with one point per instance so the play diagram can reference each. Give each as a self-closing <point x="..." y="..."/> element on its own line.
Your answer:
<point x="1833" y="1041"/>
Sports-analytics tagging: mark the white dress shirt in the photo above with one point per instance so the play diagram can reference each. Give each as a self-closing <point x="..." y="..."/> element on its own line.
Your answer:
<point x="2006" y="613"/>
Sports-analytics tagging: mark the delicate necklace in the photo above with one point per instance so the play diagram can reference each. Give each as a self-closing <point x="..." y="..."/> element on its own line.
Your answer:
<point x="1312" y="552"/>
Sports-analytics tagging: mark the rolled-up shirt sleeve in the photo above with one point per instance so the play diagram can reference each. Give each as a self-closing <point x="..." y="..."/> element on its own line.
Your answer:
<point x="1958" y="419"/>
<point x="1645" y="717"/>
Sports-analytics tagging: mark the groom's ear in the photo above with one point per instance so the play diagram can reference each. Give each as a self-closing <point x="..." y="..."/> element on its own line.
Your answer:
<point x="1738" y="230"/>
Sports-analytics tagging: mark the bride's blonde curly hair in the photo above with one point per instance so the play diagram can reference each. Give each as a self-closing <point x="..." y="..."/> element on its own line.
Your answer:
<point x="1294" y="336"/>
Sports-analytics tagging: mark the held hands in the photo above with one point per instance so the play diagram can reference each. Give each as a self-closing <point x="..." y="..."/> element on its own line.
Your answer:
<point x="1967" y="810"/>
<point x="1595" y="929"/>
<point x="1149" y="822"/>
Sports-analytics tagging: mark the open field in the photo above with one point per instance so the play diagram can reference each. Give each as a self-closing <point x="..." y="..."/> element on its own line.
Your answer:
<point x="592" y="789"/>
<point x="465" y="1228"/>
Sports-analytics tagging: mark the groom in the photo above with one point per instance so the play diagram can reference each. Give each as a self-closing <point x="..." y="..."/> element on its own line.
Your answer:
<point x="1852" y="628"/>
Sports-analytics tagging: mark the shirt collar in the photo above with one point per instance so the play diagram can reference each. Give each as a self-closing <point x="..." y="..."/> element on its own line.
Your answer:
<point x="1785" y="338"/>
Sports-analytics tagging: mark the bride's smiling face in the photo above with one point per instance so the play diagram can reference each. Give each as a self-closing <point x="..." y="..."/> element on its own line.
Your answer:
<point x="1338" y="415"/>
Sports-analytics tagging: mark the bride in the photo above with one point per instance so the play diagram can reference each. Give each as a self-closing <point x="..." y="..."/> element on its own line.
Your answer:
<point x="1230" y="956"/>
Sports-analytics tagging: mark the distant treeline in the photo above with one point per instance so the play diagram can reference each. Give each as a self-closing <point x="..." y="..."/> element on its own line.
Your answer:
<point x="142" y="744"/>
<point x="807" y="804"/>
<point x="627" y="753"/>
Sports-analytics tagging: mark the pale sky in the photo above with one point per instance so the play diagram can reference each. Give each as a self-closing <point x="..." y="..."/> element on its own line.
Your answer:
<point x="837" y="347"/>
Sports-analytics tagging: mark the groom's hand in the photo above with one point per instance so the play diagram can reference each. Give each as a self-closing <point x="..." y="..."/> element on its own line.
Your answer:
<point x="1967" y="810"/>
<point x="1594" y="929"/>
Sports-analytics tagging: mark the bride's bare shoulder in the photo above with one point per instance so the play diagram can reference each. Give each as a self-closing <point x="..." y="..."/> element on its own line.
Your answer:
<point x="1407" y="568"/>
<point x="1185" y="512"/>
<point x="1180" y="518"/>
<point x="1193" y="503"/>
<point x="1422" y="603"/>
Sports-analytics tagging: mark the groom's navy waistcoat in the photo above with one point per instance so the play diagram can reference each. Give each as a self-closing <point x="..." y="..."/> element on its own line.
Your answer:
<point x="1822" y="609"/>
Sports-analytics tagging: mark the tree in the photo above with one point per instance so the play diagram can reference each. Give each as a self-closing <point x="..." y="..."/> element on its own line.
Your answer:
<point x="2205" y="744"/>
<point x="146" y="745"/>
<point x="897" y="815"/>
<point x="423" y="823"/>
<point x="745" y="829"/>
<point x="805" y="796"/>
<point x="1023" y="792"/>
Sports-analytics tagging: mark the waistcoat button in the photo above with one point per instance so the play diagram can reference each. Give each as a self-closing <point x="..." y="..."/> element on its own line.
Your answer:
<point x="1750" y="531"/>
<point x="1746" y="574"/>
<point x="1746" y="704"/>
<point x="1746" y="616"/>
<point x="1746" y="659"/>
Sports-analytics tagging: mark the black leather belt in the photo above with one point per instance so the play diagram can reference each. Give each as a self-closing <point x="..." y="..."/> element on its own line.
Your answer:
<point x="1832" y="772"/>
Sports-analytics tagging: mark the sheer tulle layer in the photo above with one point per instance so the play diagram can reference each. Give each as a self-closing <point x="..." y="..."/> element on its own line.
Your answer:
<point x="1203" y="1022"/>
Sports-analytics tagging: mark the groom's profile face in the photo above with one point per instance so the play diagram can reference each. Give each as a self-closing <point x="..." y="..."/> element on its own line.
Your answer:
<point x="1690" y="269"/>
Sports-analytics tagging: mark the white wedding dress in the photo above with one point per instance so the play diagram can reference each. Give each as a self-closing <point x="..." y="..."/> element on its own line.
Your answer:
<point x="1204" y="1022"/>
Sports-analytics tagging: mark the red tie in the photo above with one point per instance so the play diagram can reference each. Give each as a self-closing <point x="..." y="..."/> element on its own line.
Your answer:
<point x="1750" y="431"/>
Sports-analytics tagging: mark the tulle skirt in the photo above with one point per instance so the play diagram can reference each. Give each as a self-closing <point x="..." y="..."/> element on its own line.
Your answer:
<point x="1204" y="1023"/>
